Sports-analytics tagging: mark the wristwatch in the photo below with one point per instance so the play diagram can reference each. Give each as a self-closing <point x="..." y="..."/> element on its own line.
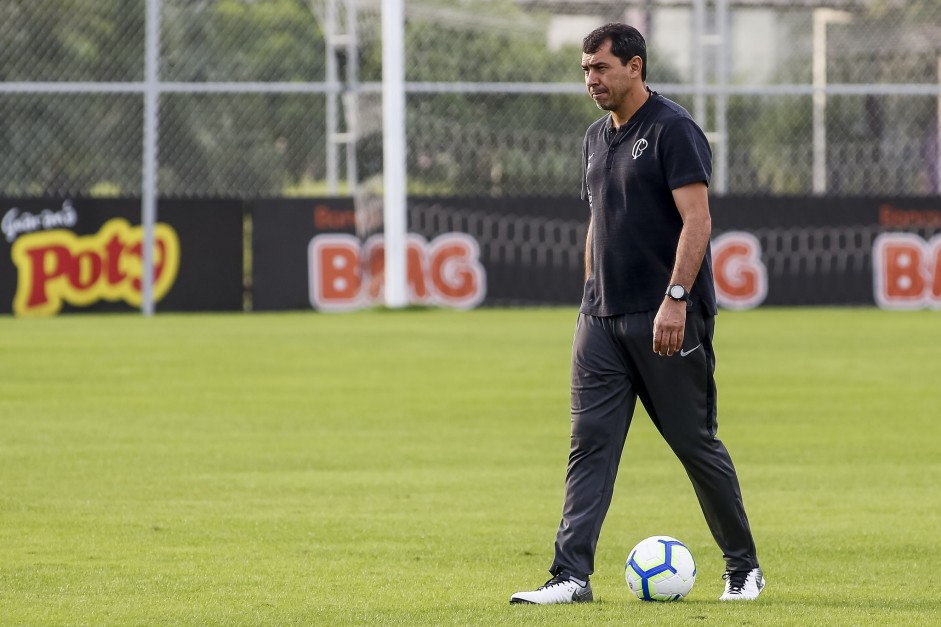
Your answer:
<point x="677" y="292"/>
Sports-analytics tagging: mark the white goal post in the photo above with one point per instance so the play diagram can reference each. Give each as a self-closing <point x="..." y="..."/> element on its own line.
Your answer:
<point x="394" y="151"/>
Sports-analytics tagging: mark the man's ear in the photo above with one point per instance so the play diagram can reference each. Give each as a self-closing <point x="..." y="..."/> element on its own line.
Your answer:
<point x="636" y="65"/>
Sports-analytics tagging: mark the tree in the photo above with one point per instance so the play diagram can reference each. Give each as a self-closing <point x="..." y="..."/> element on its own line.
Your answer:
<point x="241" y="144"/>
<point x="53" y="141"/>
<point x="210" y="144"/>
<point x="489" y="143"/>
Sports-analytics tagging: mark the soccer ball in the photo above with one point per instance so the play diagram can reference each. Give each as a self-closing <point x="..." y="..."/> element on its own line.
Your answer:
<point x="660" y="568"/>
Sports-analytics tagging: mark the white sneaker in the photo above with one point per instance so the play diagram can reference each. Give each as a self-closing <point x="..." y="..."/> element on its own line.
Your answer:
<point x="743" y="585"/>
<point x="559" y="589"/>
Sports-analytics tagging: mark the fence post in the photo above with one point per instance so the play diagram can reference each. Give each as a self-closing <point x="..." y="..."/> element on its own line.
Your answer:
<point x="149" y="186"/>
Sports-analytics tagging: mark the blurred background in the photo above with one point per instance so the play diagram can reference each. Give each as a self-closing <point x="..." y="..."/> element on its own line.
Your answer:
<point x="824" y="117"/>
<point x="282" y="97"/>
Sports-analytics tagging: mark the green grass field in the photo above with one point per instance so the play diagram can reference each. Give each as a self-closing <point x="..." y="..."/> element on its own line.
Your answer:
<point x="407" y="468"/>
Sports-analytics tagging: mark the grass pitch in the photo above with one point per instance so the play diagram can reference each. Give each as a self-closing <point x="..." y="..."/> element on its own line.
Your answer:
<point x="407" y="468"/>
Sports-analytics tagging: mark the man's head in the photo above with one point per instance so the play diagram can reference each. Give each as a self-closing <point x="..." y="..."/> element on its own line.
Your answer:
<point x="614" y="60"/>
<point x="626" y="43"/>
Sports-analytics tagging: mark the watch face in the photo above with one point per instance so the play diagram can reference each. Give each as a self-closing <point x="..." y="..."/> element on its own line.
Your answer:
<point x="677" y="292"/>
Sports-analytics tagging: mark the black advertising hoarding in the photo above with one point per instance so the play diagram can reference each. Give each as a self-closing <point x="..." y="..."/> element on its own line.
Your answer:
<point x="532" y="249"/>
<point x="282" y="230"/>
<point x="75" y="254"/>
<point x="827" y="251"/>
<point x="305" y="254"/>
<point x="64" y="255"/>
<point x="465" y="252"/>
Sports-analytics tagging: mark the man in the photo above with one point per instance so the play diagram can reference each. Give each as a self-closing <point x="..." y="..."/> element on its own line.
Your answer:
<point x="646" y="322"/>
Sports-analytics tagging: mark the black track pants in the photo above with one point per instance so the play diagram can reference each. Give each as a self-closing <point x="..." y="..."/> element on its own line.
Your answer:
<point x="613" y="364"/>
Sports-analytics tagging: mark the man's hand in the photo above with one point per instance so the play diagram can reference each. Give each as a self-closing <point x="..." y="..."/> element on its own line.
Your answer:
<point x="669" y="327"/>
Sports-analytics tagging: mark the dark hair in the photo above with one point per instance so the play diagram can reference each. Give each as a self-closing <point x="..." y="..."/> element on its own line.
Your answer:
<point x="626" y="43"/>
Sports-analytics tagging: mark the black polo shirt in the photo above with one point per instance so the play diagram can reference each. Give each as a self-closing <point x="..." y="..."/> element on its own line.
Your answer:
<point x="629" y="175"/>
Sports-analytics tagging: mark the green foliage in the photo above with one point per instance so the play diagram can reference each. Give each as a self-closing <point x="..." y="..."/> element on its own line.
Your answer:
<point x="52" y="143"/>
<point x="503" y="144"/>
<point x="912" y="11"/>
<point x="492" y="144"/>
<point x="407" y="468"/>
<point x="238" y="145"/>
<point x="225" y="144"/>
<point x="46" y="40"/>
<point x="232" y="146"/>
<point x="232" y="40"/>
<point x="781" y="162"/>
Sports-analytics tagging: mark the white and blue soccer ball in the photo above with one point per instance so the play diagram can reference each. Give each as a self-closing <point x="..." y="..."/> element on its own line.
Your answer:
<point x="660" y="568"/>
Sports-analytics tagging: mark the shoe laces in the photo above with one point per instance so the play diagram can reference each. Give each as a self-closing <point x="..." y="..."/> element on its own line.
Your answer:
<point x="555" y="581"/>
<point x="736" y="579"/>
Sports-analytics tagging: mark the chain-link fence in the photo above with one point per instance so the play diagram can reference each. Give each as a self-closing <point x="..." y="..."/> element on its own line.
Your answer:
<point x="282" y="97"/>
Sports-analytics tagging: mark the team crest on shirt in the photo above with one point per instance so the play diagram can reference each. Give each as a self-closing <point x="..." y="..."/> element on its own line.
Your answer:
<point x="639" y="146"/>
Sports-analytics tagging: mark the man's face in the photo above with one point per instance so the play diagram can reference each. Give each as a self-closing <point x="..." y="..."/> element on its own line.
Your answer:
<point x="607" y="80"/>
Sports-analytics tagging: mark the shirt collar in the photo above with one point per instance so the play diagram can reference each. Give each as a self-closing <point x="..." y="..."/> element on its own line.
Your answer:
<point x="640" y="114"/>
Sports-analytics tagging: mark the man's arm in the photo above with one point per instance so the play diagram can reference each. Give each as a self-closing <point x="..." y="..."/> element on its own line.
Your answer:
<point x="692" y="202"/>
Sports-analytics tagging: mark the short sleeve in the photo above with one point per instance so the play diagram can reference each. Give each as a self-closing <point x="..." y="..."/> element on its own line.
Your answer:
<point x="685" y="153"/>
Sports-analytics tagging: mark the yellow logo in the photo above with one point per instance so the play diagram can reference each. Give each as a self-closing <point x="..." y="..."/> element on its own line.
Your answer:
<point x="58" y="266"/>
